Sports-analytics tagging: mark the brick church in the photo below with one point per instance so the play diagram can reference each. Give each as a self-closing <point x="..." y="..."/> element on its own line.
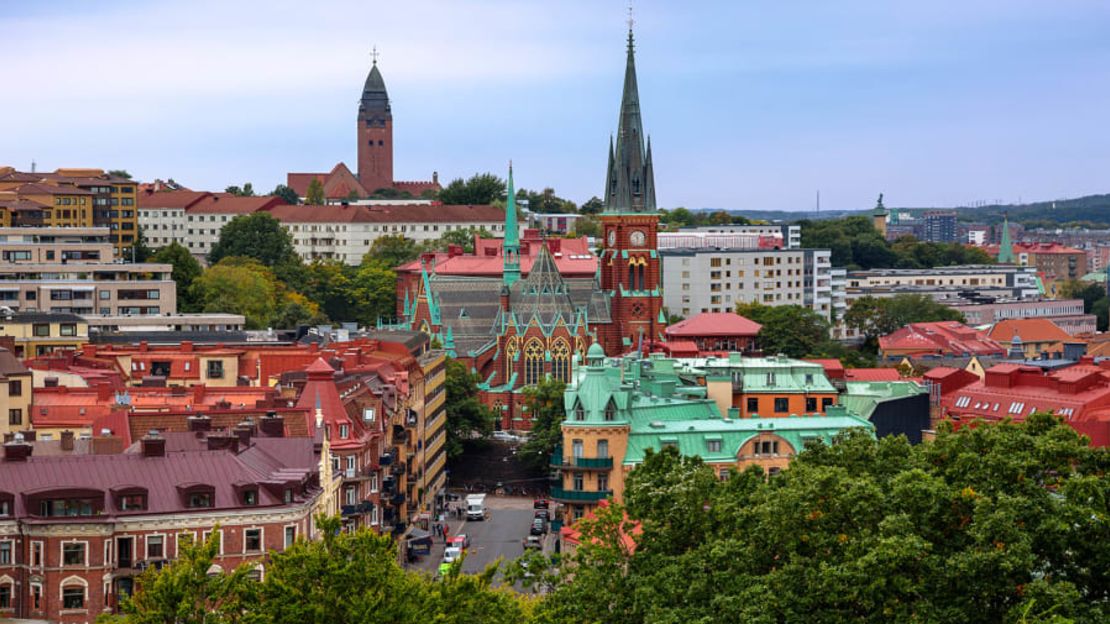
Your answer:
<point x="552" y="298"/>
<point x="375" y="154"/>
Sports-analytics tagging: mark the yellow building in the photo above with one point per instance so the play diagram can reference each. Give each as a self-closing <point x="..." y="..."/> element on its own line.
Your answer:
<point x="68" y="206"/>
<point x="39" y="333"/>
<point x="114" y="201"/>
<point x="15" y="393"/>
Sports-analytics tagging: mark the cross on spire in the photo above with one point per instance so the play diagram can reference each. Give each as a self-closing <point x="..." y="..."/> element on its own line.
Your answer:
<point x="631" y="21"/>
<point x="374" y="54"/>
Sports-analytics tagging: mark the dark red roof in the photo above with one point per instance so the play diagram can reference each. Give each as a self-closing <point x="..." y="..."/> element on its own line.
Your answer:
<point x="871" y="374"/>
<point x="940" y="338"/>
<point x="713" y="324"/>
<point x="170" y="199"/>
<point x="226" y="203"/>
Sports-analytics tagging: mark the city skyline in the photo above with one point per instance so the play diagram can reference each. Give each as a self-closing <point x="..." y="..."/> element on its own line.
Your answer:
<point x="749" y="107"/>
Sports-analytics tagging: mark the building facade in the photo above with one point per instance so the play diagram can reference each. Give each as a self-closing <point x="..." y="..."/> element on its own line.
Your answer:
<point x="88" y="287"/>
<point x="38" y="333"/>
<point x="1065" y="313"/>
<point x="41" y="245"/>
<point x="16" y="388"/>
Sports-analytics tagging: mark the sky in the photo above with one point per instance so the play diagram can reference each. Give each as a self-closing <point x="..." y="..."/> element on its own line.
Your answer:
<point x="750" y="104"/>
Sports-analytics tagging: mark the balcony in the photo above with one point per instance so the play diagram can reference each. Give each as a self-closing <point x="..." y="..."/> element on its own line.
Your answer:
<point x="582" y="463"/>
<point x="397" y="499"/>
<point x="355" y="510"/>
<point x="386" y="459"/>
<point x="580" y="496"/>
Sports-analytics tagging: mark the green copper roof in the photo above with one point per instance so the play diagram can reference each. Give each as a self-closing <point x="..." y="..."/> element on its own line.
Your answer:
<point x="879" y="210"/>
<point x="511" y="247"/>
<point x="1006" y="247"/>
<point x="630" y="179"/>
<point x="761" y="374"/>
<point x="862" y="397"/>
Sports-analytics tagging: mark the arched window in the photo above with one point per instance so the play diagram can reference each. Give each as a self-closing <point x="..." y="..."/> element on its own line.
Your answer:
<point x="611" y="410"/>
<point x="560" y="360"/>
<point x="510" y="355"/>
<point x="75" y="591"/>
<point x="533" y="362"/>
<point x="632" y="277"/>
<point x="640" y="271"/>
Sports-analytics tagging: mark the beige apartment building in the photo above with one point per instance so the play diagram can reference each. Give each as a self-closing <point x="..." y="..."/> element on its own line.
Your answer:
<point x="15" y="393"/>
<point x="88" y="288"/>
<point x="55" y="244"/>
<point x="39" y="333"/>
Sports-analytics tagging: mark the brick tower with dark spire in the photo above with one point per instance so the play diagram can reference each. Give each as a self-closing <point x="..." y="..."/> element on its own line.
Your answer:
<point x="630" y="260"/>
<point x="375" y="134"/>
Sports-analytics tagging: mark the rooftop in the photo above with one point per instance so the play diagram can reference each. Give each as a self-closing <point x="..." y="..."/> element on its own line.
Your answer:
<point x="713" y="324"/>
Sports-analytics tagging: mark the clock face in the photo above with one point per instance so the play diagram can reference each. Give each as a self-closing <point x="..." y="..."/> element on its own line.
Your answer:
<point x="637" y="238"/>
<point x="612" y="237"/>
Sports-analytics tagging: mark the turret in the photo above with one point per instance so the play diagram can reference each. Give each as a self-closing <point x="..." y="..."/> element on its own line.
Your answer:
<point x="510" y="249"/>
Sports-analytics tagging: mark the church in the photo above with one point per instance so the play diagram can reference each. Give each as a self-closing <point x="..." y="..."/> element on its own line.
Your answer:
<point x="375" y="154"/>
<point x="534" y="318"/>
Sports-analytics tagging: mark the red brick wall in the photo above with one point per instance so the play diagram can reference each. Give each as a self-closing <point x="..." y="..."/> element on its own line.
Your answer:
<point x="375" y="156"/>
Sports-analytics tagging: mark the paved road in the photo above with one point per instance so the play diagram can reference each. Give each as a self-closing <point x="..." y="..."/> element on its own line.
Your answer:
<point x="501" y="535"/>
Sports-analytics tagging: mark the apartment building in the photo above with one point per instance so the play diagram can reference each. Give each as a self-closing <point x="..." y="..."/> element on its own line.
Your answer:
<point x="41" y="245"/>
<point x="789" y="235"/>
<point x="699" y="280"/>
<point x="1067" y="314"/>
<point x="88" y="287"/>
<point x="114" y="201"/>
<point x="945" y="282"/>
<point x="15" y="393"/>
<point x="39" y="333"/>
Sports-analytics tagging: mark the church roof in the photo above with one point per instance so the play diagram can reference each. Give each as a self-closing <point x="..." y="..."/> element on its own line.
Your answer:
<point x="374" y="96"/>
<point x="542" y="295"/>
<point x="630" y="183"/>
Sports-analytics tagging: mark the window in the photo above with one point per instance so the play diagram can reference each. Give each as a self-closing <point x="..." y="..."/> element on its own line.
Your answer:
<point x="576" y="449"/>
<point x="215" y="369"/>
<point x="713" y="446"/>
<point x="344" y="432"/>
<point x="770" y="379"/>
<point x="782" y="405"/>
<point x="155" y="547"/>
<point x="73" y="597"/>
<point x="603" y="448"/>
<point x="199" y="499"/>
<point x="15" y="388"/>
<point x="610" y="410"/>
<point x="132" y="502"/>
<point x="252" y="540"/>
<point x="41" y="329"/>
<point x="753" y="404"/>
<point x="15" y="417"/>
<point x="73" y="554"/>
<point x="579" y="482"/>
<point x="533" y="362"/>
<point x="290" y="535"/>
<point x="825" y="403"/>
<point x="68" y="329"/>
<point x="579" y="412"/>
<point x="767" y="447"/>
<point x="602" y="482"/>
<point x="6" y="596"/>
<point x="811" y="404"/>
<point x="250" y="497"/>
<point x="5" y="553"/>
<point x="36" y="554"/>
<point x="560" y="361"/>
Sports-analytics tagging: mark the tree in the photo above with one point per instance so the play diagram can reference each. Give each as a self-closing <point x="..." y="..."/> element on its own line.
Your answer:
<point x="544" y="403"/>
<point x="794" y="331"/>
<point x="463" y="238"/>
<point x="314" y="195"/>
<point x="185" y="593"/>
<point x="479" y="189"/>
<point x="592" y="206"/>
<point x="467" y="417"/>
<point x="587" y="226"/>
<point x="353" y="196"/>
<point x="286" y="193"/>
<point x="140" y="252"/>
<point x="119" y="173"/>
<point x="294" y="309"/>
<point x="257" y="235"/>
<point x="186" y="270"/>
<point x="374" y="288"/>
<point x="247" y="190"/>
<point x="873" y="317"/>
<point x="1101" y="310"/>
<point x="390" y="193"/>
<point x="1089" y="292"/>
<point x="238" y="285"/>
<point x="997" y="523"/>
<point x="393" y="250"/>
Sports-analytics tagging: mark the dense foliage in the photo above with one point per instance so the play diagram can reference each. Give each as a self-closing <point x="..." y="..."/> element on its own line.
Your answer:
<point x="480" y="189"/>
<point x="258" y="235"/>
<point x="544" y="404"/>
<point x="1002" y="523"/>
<point x="877" y="316"/>
<point x="186" y="269"/>
<point x="467" y="417"/>
<point x="1094" y="299"/>
<point x="856" y="244"/>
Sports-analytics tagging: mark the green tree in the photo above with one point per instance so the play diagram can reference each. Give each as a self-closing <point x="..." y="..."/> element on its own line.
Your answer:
<point x="587" y="226"/>
<point x="374" y="288"/>
<point x="140" y="252"/>
<point x="257" y="235"/>
<point x="390" y="193"/>
<point x="185" y="593"/>
<point x="238" y="285"/>
<point x="592" y="206"/>
<point x="1089" y="292"/>
<point x="286" y="193"/>
<point x="393" y="250"/>
<point x="1101" y="310"/>
<point x="247" y="190"/>
<point x="314" y="196"/>
<point x="467" y="417"/>
<point x="480" y="189"/>
<point x="119" y="173"/>
<point x="186" y="270"/>
<point x="544" y="403"/>
<point x="463" y="238"/>
<point x="792" y="330"/>
<point x="873" y="317"/>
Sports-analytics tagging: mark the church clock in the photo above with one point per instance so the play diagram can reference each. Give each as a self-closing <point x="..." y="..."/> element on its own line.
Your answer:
<point x="637" y="238"/>
<point x="612" y="238"/>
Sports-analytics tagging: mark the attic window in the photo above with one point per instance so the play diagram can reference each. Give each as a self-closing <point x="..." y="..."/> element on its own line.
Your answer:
<point x="344" y="432"/>
<point x="579" y="412"/>
<point x="463" y="314"/>
<point x="611" y="411"/>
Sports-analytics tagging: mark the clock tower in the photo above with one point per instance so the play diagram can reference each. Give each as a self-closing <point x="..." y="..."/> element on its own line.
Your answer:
<point x="629" y="263"/>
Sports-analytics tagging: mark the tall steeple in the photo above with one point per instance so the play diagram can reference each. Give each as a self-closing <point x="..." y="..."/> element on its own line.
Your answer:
<point x="630" y="185"/>
<point x="511" y="247"/>
<point x="1006" y="248"/>
<point x="375" y="132"/>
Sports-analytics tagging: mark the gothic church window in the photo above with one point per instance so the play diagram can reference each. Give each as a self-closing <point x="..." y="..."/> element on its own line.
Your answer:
<point x="560" y="361"/>
<point x="533" y="362"/>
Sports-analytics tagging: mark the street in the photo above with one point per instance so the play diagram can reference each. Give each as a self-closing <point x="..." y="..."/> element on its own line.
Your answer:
<point x="499" y="536"/>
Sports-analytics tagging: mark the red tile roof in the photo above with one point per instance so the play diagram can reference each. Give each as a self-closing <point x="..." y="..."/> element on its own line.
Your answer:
<point x="871" y="374"/>
<point x="1030" y="330"/>
<point x="833" y="368"/>
<point x="170" y="199"/>
<point x="572" y="257"/>
<point x="713" y="324"/>
<point x="226" y="203"/>
<point x="940" y="338"/>
<point x="50" y="189"/>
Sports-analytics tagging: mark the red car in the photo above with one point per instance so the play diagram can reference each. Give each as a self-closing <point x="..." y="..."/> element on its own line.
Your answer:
<point x="540" y="503"/>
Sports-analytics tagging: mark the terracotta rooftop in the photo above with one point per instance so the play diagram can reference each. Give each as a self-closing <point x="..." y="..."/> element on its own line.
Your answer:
<point x="226" y="203"/>
<point x="940" y="338"/>
<point x="713" y="324"/>
<point x="169" y="199"/>
<point x="1030" y="330"/>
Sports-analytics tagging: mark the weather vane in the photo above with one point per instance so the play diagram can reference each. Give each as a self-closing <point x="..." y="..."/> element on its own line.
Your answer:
<point x="374" y="54"/>
<point x="631" y="21"/>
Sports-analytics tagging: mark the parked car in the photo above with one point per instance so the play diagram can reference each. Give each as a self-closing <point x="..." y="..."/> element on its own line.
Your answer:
<point x="539" y="526"/>
<point x="452" y="554"/>
<point x="541" y="503"/>
<point x="462" y="540"/>
<point x="542" y="513"/>
<point x="533" y="542"/>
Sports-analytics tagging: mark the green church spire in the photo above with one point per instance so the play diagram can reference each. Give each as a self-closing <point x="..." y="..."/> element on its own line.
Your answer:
<point x="630" y="184"/>
<point x="511" y="247"/>
<point x="1006" y="248"/>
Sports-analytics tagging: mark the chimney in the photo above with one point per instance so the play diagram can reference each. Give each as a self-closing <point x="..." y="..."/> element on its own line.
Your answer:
<point x="272" y="425"/>
<point x="223" y="441"/>
<point x="199" y="422"/>
<point x="187" y="346"/>
<point x="17" y="449"/>
<point x="1075" y="350"/>
<point x="67" y="440"/>
<point x="243" y="431"/>
<point x="29" y="435"/>
<point x="153" y="444"/>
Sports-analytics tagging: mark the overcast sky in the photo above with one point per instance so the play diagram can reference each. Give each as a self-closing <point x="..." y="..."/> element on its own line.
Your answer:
<point x="751" y="104"/>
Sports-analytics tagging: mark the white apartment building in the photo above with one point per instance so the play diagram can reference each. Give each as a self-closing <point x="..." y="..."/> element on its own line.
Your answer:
<point x="715" y="280"/>
<point x="791" y="235"/>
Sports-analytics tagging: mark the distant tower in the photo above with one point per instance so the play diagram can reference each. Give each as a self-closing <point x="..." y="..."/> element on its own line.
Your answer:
<point x="375" y="133"/>
<point x="878" y="216"/>
<point x="511" y="246"/>
<point x="1005" y="247"/>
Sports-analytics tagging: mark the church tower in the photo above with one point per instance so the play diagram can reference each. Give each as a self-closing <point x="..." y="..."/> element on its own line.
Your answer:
<point x="630" y="221"/>
<point x="375" y="134"/>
